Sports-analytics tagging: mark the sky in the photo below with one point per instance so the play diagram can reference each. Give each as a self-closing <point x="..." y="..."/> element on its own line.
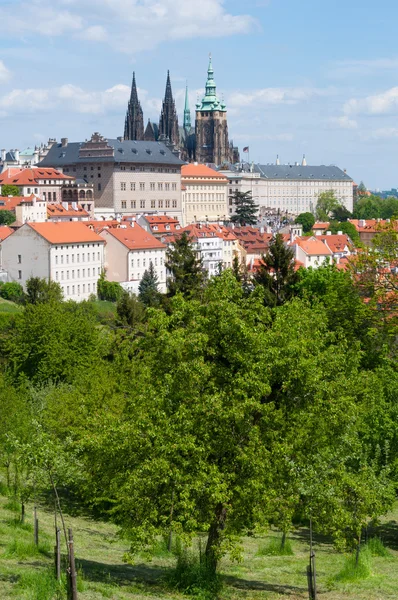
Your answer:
<point x="298" y="76"/>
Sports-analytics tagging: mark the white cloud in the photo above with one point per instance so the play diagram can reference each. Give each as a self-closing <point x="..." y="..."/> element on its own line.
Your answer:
<point x="362" y="67"/>
<point x="130" y="26"/>
<point x="379" y="104"/>
<point x="269" y="96"/>
<point x="343" y="122"/>
<point x="4" y="72"/>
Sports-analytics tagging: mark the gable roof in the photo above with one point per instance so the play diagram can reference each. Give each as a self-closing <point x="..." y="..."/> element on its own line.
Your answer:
<point x="301" y="172"/>
<point x="58" y="210"/>
<point x="312" y="246"/>
<point x="14" y="176"/>
<point x="68" y="232"/>
<point x="134" y="237"/>
<point x="11" y="202"/>
<point x="199" y="170"/>
<point x="336" y="242"/>
<point x="5" y="232"/>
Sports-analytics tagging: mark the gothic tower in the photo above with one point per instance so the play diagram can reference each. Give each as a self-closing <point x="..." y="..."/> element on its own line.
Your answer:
<point x="187" y="114"/>
<point x="134" y="125"/>
<point x="168" y="122"/>
<point x="211" y="128"/>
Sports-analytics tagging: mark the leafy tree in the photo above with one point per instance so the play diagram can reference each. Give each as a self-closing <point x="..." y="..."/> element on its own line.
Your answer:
<point x="6" y="217"/>
<point x="341" y="213"/>
<point x="130" y="311"/>
<point x="246" y="209"/>
<point x="108" y="290"/>
<point x="327" y="203"/>
<point x="187" y="275"/>
<point x="347" y="228"/>
<point x="307" y="220"/>
<point x="362" y="188"/>
<point x="389" y="208"/>
<point x="148" y="288"/>
<point x="368" y="207"/>
<point x="40" y="291"/>
<point x="12" y="291"/>
<point x="277" y="272"/>
<point x="10" y="190"/>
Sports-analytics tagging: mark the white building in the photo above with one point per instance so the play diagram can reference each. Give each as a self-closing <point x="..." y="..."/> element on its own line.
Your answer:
<point x="289" y="189"/>
<point x="46" y="183"/>
<point x="129" y="252"/>
<point x="204" y="194"/>
<point x="311" y="252"/>
<point x="209" y="245"/>
<point x="26" y="208"/>
<point x="69" y="253"/>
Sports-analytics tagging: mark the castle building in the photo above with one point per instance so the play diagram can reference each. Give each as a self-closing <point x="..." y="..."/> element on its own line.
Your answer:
<point x="134" y="124"/>
<point x="168" y="122"/>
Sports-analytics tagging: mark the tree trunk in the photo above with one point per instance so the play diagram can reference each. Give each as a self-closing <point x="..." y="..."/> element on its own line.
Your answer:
<point x="214" y="538"/>
<point x="283" y="542"/>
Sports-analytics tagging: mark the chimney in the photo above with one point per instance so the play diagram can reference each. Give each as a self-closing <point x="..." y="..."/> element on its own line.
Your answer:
<point x="362" y="223"/>
<point x="3" y="155"/>
<point x="339" y="233"/>
<point x="65" y="205"/>
<point x="328" y="233"/>
<point x="16" y="154"/>
<point x="278" y="162"/>
<point x="64" y="142"/>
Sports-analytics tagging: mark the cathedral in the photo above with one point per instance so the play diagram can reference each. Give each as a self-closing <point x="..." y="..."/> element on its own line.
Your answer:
<point x="206" y="142"/>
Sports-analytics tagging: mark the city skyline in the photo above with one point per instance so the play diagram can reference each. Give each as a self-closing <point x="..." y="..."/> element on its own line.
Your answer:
<point x="292" y="86"/>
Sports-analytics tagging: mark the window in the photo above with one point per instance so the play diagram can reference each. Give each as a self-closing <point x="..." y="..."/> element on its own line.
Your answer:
<point x="83" y="257"/>
<point x="62" y="259"/>
<point x="73" y="258"/>
<point x="156" y="262"/>
<point x="99" y="271"/>
<point x="98" y="255"/>
<point x="123" y="203"/>
<point x="56" y="275"/>
<point x="174" y="203"/>
<point x="138" y="263"/>
<point x="67" y="289"/>
<point x="133" y="204"/>
<point x="153" y="203"/>
<point x="99" y="187"/>
<point x="29" y="190"/>
<point x="83" y="273"/>
<point x="78" y="273"/>
<point x="142" y="186"/>
<point x="88" y="286"/>
<point x="132" y="187"/>
<point x="78" y="289"/>
<point x="142" y="203"/>
<point x="73" y="289"/>
<point x="152" y="186"/>
<point x="93" y="255"/>
<point x="73" y="274"/>
<point x="67" y="274"/>
<point x="160" y="203"/>
<point x="88" y="272"/>
<point x="84" y="288"/>
<point x="123" y="186"/>
<point x="19" y="259"/>
<point x="167" y="203"/>
<point x="160" y="187"/>
<point x="132" y="263"/>
<point x="174" y="187"/>
<point x="144" y="262"/>
<point x="67" y="259"/>
<point x="167" y="187"/>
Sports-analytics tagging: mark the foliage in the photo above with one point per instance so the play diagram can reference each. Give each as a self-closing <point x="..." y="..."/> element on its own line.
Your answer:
<point x="341" y="213"/>
<point x="374" y="207"/>
<point x="130" y="311"/>
<point x="12" y="291"/>
<point x="307" y="220"/>
<point x="193" y="576"/>
<point x="276" y="272"/>
<point x="6" y="217"/>
<point x="108" y="290"/>
<point x="42" y="291"/>
<point x="347" y="228"/>
<point x="10" y="190"/>
<point x="149" y="293"/>
<point x="246" y="209"/>
<point x="377" y="548"/>
<point x="187" y="275"/>
<point x="327" y="203"/>
<point x="276" y="547"/>
<point x="355" y="570"/>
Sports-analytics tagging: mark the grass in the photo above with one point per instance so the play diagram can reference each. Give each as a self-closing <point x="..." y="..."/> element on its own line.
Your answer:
<point x="9" y="307"/>
<point x="274" y="547"/>
<point x="26" y="573"/>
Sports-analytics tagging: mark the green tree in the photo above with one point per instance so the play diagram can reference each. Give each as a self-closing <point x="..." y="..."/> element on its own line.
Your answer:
<point x="130" y="311"/>
<point x="389" y="208"/>
<point x="276" y="272"/>
<point x="246" y="210"/>
<point x="347" y="228"/>
<point x="368" y="207"/>
<point x="40" y="291"/>
<point x="307" y="220"/>
<point x="187" y="275"/>
<point x="6" y="217"/>
<point x="341" y="214"/>
<point x="10" y="190"/>
<point x="148" y="288"/>
<point x="108" y="290"/>
<point x="327" y="203"/>
<point x="362" y="188"/>
<point x="12" y="291"/>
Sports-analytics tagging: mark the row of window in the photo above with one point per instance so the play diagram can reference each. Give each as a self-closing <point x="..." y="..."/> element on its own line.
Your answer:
<point x="137" y="262"/>
<point x="84" y="255"/>
<point x="91" y="288"/>
<point x="143" y="204"/>
<point x="208" y="207"/>
<point x="206" y="187"/>
<point x="65" y="274"/>
<point x="152" y="186"/>
<point x="148" y="169"/>
<point x="206" y="197"/>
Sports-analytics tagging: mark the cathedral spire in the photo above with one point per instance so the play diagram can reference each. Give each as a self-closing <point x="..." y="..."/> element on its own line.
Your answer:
<point x="168" y="122"/>
<point x="187" y="113"/>
<point x="134" y="124"/>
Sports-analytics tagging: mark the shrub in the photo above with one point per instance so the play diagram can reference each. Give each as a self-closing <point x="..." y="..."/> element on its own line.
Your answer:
<point x="275" y="548"/>
<point x="13" y="504"/>
<point x="12" y="291"/>
<point x="377" y="548"/>
<point x="192" y="576"/>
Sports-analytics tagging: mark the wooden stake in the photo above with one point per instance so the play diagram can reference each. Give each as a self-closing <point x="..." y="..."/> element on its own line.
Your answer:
<point x="72" y="568"/>
<point x="57" y="554"/>
<point x="36" y="526"/>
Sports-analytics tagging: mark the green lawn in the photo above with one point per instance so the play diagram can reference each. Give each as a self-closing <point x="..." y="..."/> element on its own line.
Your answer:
<point x="9" y="307"/>
<point x="25" y="573"/>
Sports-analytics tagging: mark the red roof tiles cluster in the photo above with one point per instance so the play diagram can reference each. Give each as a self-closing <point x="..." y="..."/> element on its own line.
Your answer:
<point x="202" y="172"/>
<point x="134" y="237"/>
<point x="11" y="202"/>
<point x="14" y="176"/>
<point x="67" y="232"/>
<point x="59" y="210"/>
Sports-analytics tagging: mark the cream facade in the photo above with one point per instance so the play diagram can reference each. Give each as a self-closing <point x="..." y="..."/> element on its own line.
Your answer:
<point x="204" y="194"/>
<point x="34" y="209"/>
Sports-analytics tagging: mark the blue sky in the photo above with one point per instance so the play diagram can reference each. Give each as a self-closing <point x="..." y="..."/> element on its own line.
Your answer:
<point x="298" y="77"/>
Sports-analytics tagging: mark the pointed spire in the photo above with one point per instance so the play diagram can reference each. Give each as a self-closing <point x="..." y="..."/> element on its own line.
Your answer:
<point x="187" y="113"/>
<point x="134" y="123"/>
<point x="304" y="162"/>
<point x="134" y="93"/>
<point x="168" y="96"/>
<point x="168" y="122"/>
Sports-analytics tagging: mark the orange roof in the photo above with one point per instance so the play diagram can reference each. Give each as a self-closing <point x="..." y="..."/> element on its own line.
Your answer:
<point x="68" y="232"/>
<point x="198" y="170"/>
<point x="158" y="219"/>
<point x="312" y="246"/>
<point x="99" y="225"/>
<point x="319" y="225"/>
<point x="5" y="232"/>
<point x="14" y="176"/>
<point x="10" y="202"/>
<point x="371" y="225"/>
<point x="134" y="237"/>
<point x="58" y="210"/>
<point x="337" y="243"/>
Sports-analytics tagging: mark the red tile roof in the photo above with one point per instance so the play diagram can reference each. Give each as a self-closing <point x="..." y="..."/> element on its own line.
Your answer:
<point x="14" y="176"/>
<point x="202" y="171"/>
<point x="98" y="226"/>
<point x="134" y="237"/>
<point x="371" y="225"/>
<point x="312" y="246"/>
<point x="337" y="243"/>
<point x="58" y="210"/>
<point x="320" y="226"/>
<point x="68" y="232"/>
<point x="5" y="232"/>
<point x="10" y="202"/>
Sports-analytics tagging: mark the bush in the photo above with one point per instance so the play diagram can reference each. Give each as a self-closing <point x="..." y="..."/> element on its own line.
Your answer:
<point x="377" y="548"/>
<point x="12" y="291"/>
<point x="274" y="548"/>
<point x="192" y="576"/>
<point x="352" y="571"/>
<point x="13" y="504"/>
<point x="108" y="290"/>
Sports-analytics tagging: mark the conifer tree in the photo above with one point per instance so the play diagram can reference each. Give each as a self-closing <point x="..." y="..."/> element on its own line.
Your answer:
<point x="276" y="273"/>
<point x="245" y="208"/>
<point x="186" y="269"/>
<point x="148" y="289"/>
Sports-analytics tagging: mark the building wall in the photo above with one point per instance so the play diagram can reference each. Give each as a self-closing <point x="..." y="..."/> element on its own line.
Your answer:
<point x="204" y="200"/>
<point x="212" y="145"/>
<point x="37" y="211"/>
<point x="25" y="254"/>
<point x="77" y="268"/>
<point x="139" y="261"/>
<point x="116" y="258"/>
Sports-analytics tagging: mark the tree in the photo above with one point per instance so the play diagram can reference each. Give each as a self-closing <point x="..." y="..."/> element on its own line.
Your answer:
<point x="245" y="208"/>
<point x="148" y="288"/>
<point x="347" y="228"/>
<point x="307" y="220"/>
<point x="187" y="275"/>
<point x="12" y="291"/>
<point x="327" y="203"/>
<point x="277" y="272"/>
<point x="130" y="311"/>
<point x="389" y="208"/>
<point x="368" y="207"/>
<point x="341" y="213"/>
<point x="10" y="190"/>
<point x="108" y="290"/>
<point x="6" y="217"/>
<point x="40" y="291"/>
